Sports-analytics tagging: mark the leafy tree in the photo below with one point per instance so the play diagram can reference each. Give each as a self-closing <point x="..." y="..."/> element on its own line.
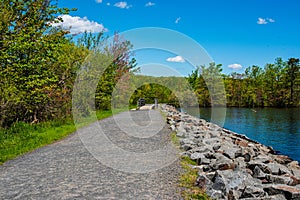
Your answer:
<point x="122" y="63"/>
<point x="234" y="89"/>
<point x="197" y="82"/>
<point x="29" y="46"/>
<point x="193" y="78"/>
<point x="254" y="86"/>
<point x="292" y="70"/>
<point x="273" y="81"/>
<point x="214" y="81"/>
<point x="162" y="88"/>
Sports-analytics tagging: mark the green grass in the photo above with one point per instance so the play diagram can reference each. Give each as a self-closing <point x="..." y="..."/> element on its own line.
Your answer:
<point x="175" y="139"/>
<point x="189" y="177"/>
<point x="23" y="137"/>
<point x="188" y="180"/>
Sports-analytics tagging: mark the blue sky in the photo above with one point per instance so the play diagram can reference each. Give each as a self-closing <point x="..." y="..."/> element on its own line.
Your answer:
<point x="235" y="33"/>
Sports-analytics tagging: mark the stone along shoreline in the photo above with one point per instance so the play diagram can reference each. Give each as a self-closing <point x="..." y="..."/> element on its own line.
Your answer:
<point x="232" y="166"/>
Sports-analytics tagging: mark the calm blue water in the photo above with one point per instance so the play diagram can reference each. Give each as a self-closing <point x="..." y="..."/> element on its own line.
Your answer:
<point x="279" y="128"/>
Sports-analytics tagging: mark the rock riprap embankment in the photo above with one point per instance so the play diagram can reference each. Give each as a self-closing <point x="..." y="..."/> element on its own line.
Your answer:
<point x="232" y="166"/>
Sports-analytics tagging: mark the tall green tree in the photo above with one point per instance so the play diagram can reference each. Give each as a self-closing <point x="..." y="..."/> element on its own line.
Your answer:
<point x="273" y="83"/>
<point x="198" y="83"/>
<point x="29" y="46"/>
<point x="292" y="71"/>
<point x="123" y="63"/>
<point x="234" y="89"/>
<point x="212" y="75"/>
<point x="254" y="81"/>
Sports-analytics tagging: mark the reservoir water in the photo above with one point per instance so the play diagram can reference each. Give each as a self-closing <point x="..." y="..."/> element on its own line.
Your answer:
<point x="276" y="127"/>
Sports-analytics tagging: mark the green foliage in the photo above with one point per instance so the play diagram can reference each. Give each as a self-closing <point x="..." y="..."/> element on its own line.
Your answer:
<point x="188" y="180"/>
<point x="199" y="86"/>
<point x="175" y="139"/>
<point x="22" y="137"/>
<point x="108" y="62"/>
<point x="214" y="81"/>
<point x="150" y="91"/>
<point x="121" y="66"/>
<point x="276" y="85"/>
<point x="39" y="63"/>
<point x="189" y="176"/>
<point x="29" y="57"/>
<point x="208" y="85"/>
<point x="165" y="89"/>
<point x="292" y="78"/>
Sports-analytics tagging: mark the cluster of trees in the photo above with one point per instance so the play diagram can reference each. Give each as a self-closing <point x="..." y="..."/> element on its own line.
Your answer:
<point x="275" y="85"/>
<point x="175" y="91"/>
<point x="157" y="87"/>
<point x="39" y="62"/>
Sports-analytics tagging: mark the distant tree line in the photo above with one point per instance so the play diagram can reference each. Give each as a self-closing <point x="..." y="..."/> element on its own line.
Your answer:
<point x="275" y="85"/>
<point x="157" y="88"/>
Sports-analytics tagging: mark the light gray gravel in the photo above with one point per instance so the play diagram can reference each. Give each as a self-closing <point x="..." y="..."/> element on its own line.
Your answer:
<point x="67" y="170"/>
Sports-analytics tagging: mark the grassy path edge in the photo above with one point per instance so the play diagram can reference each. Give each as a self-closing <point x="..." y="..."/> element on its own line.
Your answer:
<point x="188" y="178"/>
<point x="22" y="137"/>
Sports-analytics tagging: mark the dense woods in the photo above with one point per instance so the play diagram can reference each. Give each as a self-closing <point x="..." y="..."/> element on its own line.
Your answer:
<point x="39" y="62"/>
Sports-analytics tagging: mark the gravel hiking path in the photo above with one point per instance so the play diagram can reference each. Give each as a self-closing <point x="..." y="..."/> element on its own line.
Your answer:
<point x="67" y="170"/>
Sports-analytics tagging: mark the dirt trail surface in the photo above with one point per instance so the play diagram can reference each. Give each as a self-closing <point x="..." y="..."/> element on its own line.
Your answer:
<point x="67" y="170"/>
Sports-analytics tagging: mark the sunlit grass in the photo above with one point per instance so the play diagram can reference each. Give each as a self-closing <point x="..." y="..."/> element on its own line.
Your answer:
<point x="175" y="139"/>
<point x="23" y="137"/>
<point x="188" y="180"/>
<point x="189" y="177"/>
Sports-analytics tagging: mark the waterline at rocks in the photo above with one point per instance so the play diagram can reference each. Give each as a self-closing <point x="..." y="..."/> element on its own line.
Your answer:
<point x="232" y="166"/>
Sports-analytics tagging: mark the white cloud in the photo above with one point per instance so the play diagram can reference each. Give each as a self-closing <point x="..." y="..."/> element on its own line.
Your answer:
<point x="122" y="5"/>
<point x="98" y="1"/>
<point x="261" y="21"/>
<point x="108" y="4"/>
<point x="176" y="59"/>
<point x="265" y="20"/>
<point x="271" y="20"/>
<point x="77" y="25"/>
<point x="149" y="4"/>
<point x="235" y="66"/>
<point x="177" y="20"/>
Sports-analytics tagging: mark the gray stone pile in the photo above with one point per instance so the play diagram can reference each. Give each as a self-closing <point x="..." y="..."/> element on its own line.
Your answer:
<point x="232" y="166"/>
